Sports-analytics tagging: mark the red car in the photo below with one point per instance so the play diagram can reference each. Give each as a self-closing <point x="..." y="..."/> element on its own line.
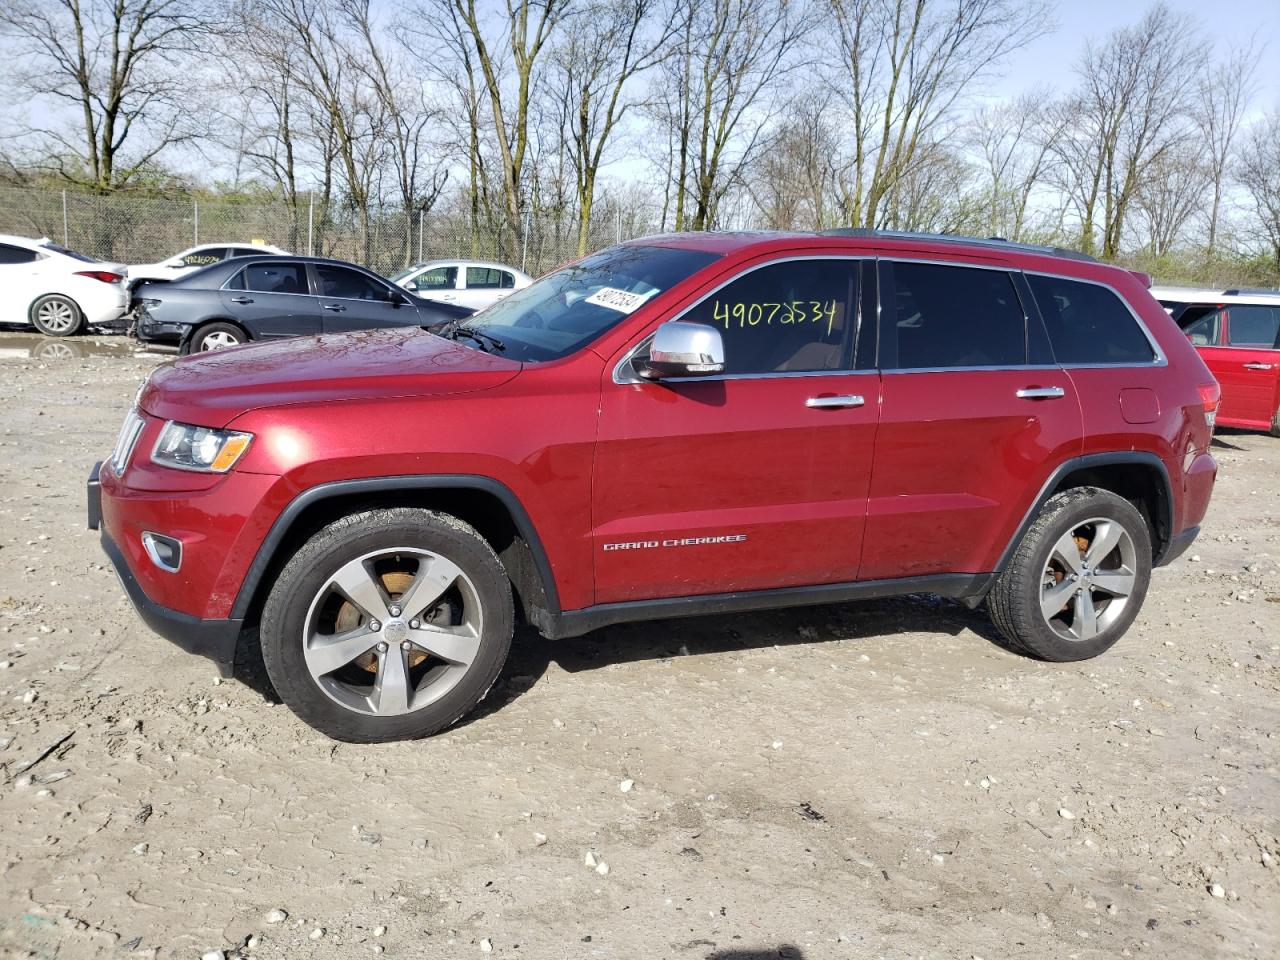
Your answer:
<point x="686" y="424"/>
<point x="1238" y="334"/>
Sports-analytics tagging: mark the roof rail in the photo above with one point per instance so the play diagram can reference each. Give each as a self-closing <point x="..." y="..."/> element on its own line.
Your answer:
<point x="998" y="243"/>
<point x="1249" y="291"/>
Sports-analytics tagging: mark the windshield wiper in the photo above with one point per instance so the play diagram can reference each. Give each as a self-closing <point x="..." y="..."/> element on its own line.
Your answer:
<point x="454" y="330"/>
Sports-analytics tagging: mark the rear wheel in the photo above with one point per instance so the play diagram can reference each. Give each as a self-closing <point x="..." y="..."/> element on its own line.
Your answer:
<point x="388" y="625"/>
<point x="1275" y="424"/>
<point x="56" y="316"/>
<point x="216" y="336"/>
<point x="1077" y="579"/>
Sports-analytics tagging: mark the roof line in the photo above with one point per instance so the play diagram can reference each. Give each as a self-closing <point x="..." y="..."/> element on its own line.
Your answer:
<point x="996" y="243"/>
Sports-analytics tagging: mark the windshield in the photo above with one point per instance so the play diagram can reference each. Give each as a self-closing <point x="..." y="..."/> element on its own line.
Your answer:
<point x="568" y="309"/>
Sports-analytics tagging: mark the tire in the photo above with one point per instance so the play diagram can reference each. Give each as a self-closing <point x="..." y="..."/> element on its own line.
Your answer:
<point x="1023" y="602"/>
<point x="57" y="316"/>
<point x="389" y="691"/>
<point x="1275" y="424"/>
<point x="216" y="336"/>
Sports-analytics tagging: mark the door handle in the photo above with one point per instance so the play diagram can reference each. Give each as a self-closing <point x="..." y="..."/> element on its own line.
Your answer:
<point x="835" y="402"/>
<point x="242" y="299"/>
<point x="335" y="307"/>
<point x="1258" y="366"/>
<point x="1041" y="393"/>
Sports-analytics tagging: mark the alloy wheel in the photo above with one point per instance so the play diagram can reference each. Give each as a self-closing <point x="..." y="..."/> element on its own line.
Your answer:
<point x="1088" y="579"/>
<point x="217" y="340"/>
<point x="392" y="631"/>
<point x="57" y="316"/>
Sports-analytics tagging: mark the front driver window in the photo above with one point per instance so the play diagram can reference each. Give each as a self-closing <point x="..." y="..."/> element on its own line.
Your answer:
<point x="437" y="278"/>
<point x="792" y="317"/>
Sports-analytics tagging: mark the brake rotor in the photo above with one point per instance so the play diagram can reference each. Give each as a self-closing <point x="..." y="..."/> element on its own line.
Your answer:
<point x="395" y="583"/>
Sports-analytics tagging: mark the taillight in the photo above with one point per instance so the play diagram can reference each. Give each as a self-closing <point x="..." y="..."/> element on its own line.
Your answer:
<point x="106" y="276"/>
<point x="1210" y="393"/>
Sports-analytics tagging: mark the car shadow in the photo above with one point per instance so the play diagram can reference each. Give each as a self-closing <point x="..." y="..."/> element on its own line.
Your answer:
<point x="660" y="640"/>
<point x="785" y="951"/>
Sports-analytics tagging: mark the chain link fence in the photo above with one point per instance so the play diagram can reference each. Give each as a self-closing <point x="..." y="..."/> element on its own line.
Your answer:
<point x="130" y="229"/>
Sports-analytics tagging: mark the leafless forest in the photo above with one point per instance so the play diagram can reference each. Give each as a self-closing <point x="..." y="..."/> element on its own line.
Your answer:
<point x="628" y="116"/>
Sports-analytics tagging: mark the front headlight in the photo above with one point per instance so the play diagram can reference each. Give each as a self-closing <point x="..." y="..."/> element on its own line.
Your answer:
<point x="186" y="447"/>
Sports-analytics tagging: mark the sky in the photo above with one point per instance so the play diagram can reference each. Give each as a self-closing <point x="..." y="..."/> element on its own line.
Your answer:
<point x="1232" y="24"/>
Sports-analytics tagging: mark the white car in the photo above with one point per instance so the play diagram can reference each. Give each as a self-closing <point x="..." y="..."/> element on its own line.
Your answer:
<point x="57" y="290"/>
<point x="188" y="261"/>
<point x="468" y="283"/>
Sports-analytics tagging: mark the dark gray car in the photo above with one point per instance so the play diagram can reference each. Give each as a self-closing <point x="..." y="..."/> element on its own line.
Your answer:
<point x="265" y="297"/>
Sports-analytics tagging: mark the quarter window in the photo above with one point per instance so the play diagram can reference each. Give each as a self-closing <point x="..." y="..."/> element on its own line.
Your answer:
<point x="943" y="316"/>
<point x="792" y="317"/>
<point x="1207" y="331"/>
<point x="1250" y="325"/>
<point x="1087" y="323"/>
<point x="275" y="278"/>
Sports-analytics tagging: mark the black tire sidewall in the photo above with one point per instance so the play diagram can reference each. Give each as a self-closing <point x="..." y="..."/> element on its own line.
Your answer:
<point x="197" y="338"/>
<point x="35" y="313"/>
<point x="285" y="613"/>
<point x="1044" y="641"/>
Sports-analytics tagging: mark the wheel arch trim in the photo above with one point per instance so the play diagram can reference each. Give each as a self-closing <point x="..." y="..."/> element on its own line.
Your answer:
<point x="339" y="488"/>
<point x="1140" y="458"/>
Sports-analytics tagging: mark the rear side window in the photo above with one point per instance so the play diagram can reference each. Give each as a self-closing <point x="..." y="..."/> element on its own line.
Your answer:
<point x="487" y="278"/>
<point x="1253" y="326"/>
<point x="275" y="278"/>
<point x="942" y="316"/>
<point x="344" y="284"/>
<point x="10" y="254"/>
<point x="792" y="317"/>
<point x="1087" y="323"/>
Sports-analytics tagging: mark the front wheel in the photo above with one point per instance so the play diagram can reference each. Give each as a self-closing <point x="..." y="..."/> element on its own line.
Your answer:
<point x="388" y="625"/>
<point x="56" y="316"/>
<point x="1077" y="579"/>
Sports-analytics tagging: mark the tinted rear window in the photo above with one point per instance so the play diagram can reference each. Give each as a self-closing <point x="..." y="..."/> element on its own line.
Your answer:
<point x="1087" y="323"/>
<point x="954" y="317"/>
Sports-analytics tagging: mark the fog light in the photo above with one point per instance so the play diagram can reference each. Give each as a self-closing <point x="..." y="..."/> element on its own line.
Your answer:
<point x="165" y="552"/>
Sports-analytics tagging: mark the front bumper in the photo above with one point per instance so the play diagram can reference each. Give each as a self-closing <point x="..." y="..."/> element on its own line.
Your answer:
<point x="215" y="639"/>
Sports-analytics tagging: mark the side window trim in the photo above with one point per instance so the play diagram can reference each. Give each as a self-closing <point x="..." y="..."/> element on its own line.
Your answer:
<point x="887" y="359"/>
<point x="1160" y="359"/>
<point x="623" y="373"/>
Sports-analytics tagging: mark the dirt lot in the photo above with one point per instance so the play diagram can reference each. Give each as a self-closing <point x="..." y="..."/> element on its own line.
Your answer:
<point x="874" y="780"/>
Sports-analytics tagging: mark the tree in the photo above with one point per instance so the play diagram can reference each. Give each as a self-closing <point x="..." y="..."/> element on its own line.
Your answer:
<point x="611" y="44"/>
<point x="1221" y="95"/>
<point x="904" y="64"/>
<point x="718" y="92"/>
<point x="1129" y="112"/>
<point x="1258" y="172"/>
<point x="1015" y="143"/>
<point x="121" y="67"/>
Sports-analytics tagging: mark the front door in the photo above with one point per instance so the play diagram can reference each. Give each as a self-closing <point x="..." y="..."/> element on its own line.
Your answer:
<point x="969" y="429"/>
<point x="272" y="299"/>
<point x="351" y="300"/>
<point x="750" y="480"/>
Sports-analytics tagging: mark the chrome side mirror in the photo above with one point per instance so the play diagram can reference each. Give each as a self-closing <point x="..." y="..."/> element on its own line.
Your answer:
<point x="682" y="349"/>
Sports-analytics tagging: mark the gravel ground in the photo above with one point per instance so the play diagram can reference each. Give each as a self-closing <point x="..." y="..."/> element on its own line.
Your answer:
<point x="862" y="780"/>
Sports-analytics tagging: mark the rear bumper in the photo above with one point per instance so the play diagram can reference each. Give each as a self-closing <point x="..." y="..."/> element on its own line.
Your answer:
<point x="214" y="639"/>
<point x="1177" y="546"/>
<point x="150" y="329"/>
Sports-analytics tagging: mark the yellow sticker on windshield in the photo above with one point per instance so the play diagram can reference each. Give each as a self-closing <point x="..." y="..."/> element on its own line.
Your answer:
<point x="620" y="300"/>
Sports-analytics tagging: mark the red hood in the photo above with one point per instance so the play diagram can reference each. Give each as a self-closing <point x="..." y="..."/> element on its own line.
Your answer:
<point x="212" y="389"/>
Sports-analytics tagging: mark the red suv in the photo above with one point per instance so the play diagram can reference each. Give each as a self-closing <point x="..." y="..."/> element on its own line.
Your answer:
<point x="685" y="424"/>
<point x="1238" y="334"/>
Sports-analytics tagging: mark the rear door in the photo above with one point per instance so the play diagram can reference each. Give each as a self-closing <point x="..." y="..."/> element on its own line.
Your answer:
<point x="352" y="300"/>
<point x="272" y="299"/>
<point x="1248" y="367"/>
<point x="753" y="479"/>
<point x="974" y="417"/>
